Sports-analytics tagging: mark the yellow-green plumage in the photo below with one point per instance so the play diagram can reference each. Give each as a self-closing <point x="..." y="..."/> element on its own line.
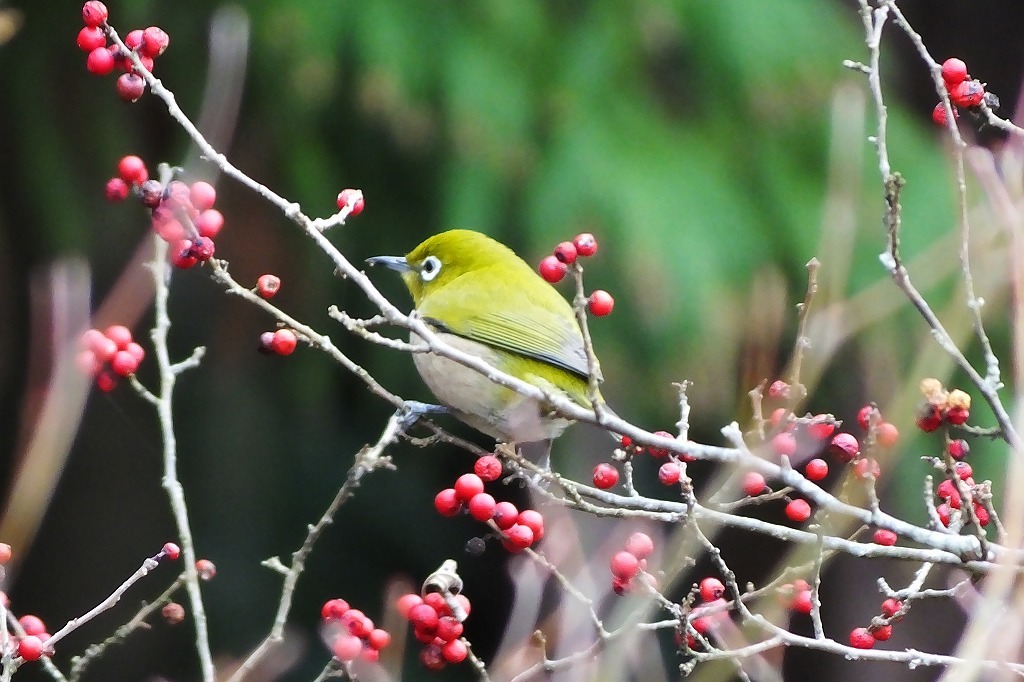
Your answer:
<point x="482" y="298"/>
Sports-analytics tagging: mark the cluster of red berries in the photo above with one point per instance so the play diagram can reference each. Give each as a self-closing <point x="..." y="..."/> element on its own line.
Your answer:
<point x="351" y="632"/>
<point x="182" y="214"/>
<point x="352" y="199"/>
<point x="964" y="91"/>
<point x="628" y="564"/>
<point x="553" y="268"/>
<point x="711" y="592"/>
<point x="519" y="529"/>
<point x="865" y="638"/>
<point x="670" y="473"/>
<point x="952" y="407"/>
<point x="279" y="342"/>
<point x="147" y="44"/>
<point x="949" y="493"/>
<point x="437" y="626"/>
<point x="108" y="355"/>
<point x="808" y="436"/>
<point x="30" y="645"/>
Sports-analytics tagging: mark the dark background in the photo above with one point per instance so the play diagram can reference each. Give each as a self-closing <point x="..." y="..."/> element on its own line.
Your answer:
<point x="713" y="148"/>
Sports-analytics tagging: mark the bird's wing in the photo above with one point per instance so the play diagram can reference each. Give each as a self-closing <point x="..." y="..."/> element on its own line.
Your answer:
<point x="544" y="334"/>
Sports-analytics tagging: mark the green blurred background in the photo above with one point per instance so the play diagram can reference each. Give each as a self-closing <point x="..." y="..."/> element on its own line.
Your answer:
<point x="713" y="148"/>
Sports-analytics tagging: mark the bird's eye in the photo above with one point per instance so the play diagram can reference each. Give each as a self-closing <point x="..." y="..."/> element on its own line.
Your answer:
<point x="429" y="268"/>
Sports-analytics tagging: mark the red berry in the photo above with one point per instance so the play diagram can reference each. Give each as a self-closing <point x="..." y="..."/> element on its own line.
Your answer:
<point x="958" y="448"/>
<point x="405" y="603"/>
<point x="171" y="551"/>
<point x="94" y="13"/>
<point x="423" y="617"/>
<point x="861" y="638"/>
<point x="356" y="622"/>
<point x="30" y="648"/>
<point x="347" y="647"/>
<point x="202" y="195"/>
<point x="106" y="381"/>
<point x="585" y="243"/>
<point x="865" y="468"/>
<point x="957" y="415"/>
<point x="640" y="545"/>
<point x="116" y="190"/>
<point x="943" y="510"/>
<point x="130" y="87"/>
<point x="753" y="483"/>
<point x="802" y="602"/>
<point x="119" y="334"/>
<point x="378" y="639"/>
<point x="181" y="254"/>
<point x="982" y="514"/>
<point x="605" y="476"/>
<point x="463" y="601"/>
<point x="552" y="269"/>
<point x="202" y="249"/>
<point x="784" y="444"/>
<point x="447" y="502"/>
<point x="711" y="589"/>
<point x="33" y="625"/>
<point x="887" y="435"/>
<point x="90" y="38"/>
<point x="353" y="198"/>
<point x="448" y="628"/>
<point x="565" y="253"/>
<point x="532" y="519"/>
<point x="488" y="468"/>
<point x="124" y="363"/>
<point x="505" y="515"/>
<point x="455" y="651"/>
<point x="669" y="473"/>
<point x="268" y="285"/>
<point x="778" y="389"/>
<point x="866" y="414"/>
<point x="210" y="222"/>
<point x="963" y="470"/>
<point x="431" y="658"/>
<point x="940" y="117"/>
<point x="132" y="170"/>
<point x="882" y="633"/>
<point x="333" y="608"/>
<point x="481" y="506"/>
<point x="624" y="565"/>
<point x="947" y="490"/>
<point x="885" y="537"/>
<point x="798" y="510"/>
<point x="147" y="63"/>
<point x="468" y="485"/>
<point x="88" y="363"/>
<point x="822" y="427"/>
<point x="99" y="62"/>
<point x="206" y="569"/>
<point x="891" y="606"/>
<point x="659" y="451"/>
<point x="816" y="469"/>
<point x="436" y="601"/>
<point x="5" y="555"/>
<point x="519" y="536"/>
<point x="777" y="417"/>
<point x="284" y="342"/>
<point x="154" y="41"/>
<point x="967" y="94"/>
<point x="133" y="39"/>
<point x="954" y="71"/>
<point x="845" y="447"/>
<point x="600" y="303"/>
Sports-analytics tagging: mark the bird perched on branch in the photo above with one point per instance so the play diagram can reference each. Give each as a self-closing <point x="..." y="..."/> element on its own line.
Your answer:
<point x="483" y="299"/>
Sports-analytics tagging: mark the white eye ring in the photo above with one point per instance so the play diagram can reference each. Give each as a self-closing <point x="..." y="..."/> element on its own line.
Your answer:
<point x="430" y="267"/>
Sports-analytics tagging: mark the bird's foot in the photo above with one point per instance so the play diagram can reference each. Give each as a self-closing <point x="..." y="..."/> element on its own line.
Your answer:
<point x="414" y="410"/>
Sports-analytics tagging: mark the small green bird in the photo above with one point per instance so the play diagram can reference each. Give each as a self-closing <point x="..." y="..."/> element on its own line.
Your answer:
<point x="485" y="300"/>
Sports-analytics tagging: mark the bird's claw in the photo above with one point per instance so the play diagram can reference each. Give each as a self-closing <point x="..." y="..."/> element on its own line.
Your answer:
<point x="413" y="410"/>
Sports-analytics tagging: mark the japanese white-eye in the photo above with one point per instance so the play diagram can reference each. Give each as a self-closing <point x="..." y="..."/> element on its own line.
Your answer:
<point x="485" y="300"/>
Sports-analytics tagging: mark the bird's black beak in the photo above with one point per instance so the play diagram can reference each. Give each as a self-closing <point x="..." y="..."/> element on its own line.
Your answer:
<point x="392" y="262"/>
